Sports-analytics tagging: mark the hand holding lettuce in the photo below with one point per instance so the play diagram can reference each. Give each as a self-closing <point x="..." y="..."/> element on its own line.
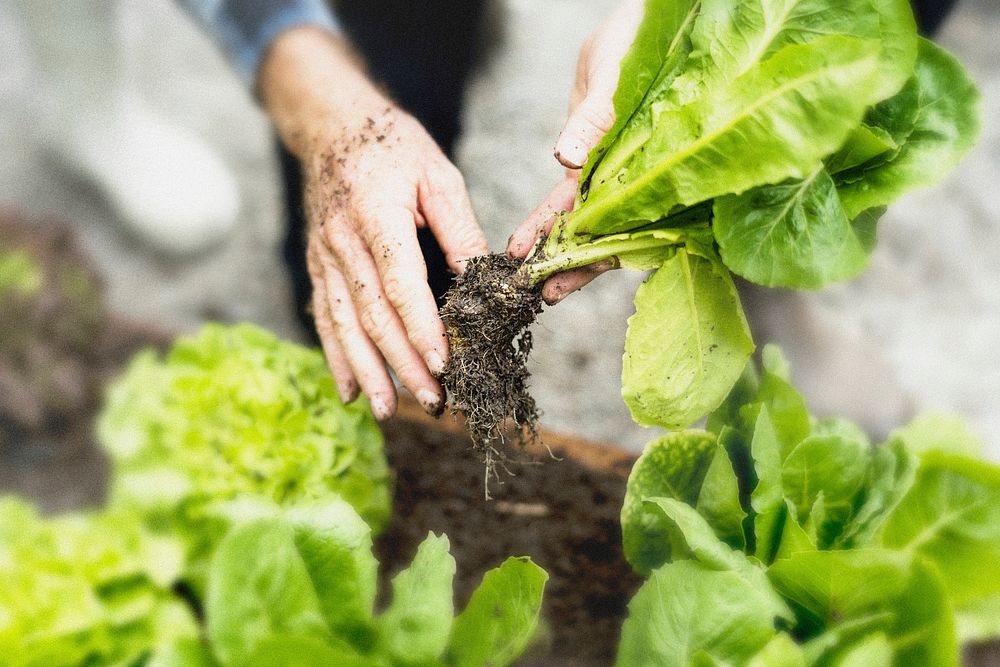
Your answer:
<point x="762" y="138"/>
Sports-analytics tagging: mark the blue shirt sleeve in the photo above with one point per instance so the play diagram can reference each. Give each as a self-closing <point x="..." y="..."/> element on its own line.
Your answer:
<point x="245" y="28"/>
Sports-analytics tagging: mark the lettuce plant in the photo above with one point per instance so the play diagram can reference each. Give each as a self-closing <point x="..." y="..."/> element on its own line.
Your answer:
<point x="234" y="412"/>
<point x="763" y="138"/>
<point x="775" y="538"/>
<point x="760" y="137"/>
<point x="307" y="597"/>
<point x="85" y="589"/>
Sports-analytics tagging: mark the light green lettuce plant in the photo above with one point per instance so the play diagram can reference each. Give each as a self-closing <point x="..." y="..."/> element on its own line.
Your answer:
<point x="85" y="589"/>
<point x="760" y="137"/>
<point x="234" y="412"/>
<point x="775" y="538"/>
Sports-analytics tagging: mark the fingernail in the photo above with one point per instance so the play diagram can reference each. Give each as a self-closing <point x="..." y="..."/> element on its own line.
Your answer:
<point x="380" y="408"/>
<point x="348" y="393"/>
<point x="571" y="155"/>
<point x="431" y="401"/>
<point x="435" y="363"/>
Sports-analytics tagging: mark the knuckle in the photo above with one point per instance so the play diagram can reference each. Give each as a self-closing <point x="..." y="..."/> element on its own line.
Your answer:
<point x="376" y="321"/>
<point x="393" y="287"/>
<point x="341" y="318"/>
<point x="446" y="177"/>
<point x="339" y="243"/>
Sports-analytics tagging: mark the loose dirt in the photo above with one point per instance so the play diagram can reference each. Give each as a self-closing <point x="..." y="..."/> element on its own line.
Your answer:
<point x="486" y="315"/>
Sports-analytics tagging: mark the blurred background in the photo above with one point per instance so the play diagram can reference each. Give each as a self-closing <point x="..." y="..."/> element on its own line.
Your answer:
<point x="919" y="330"/>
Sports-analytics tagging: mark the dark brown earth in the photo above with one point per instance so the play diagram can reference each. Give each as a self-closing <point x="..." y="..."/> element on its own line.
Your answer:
<point x="562" y="513"/>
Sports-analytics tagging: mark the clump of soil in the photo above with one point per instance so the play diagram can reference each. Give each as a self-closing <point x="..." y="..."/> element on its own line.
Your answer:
<point x="487" y="314"/>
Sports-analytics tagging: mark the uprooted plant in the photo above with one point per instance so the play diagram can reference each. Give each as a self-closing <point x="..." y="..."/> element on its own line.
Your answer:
<point x="760" y="138"/>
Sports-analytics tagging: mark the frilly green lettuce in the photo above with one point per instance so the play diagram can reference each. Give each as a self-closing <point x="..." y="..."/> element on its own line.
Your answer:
<point x="85" y="589"/>
<point x="235" y="412"/>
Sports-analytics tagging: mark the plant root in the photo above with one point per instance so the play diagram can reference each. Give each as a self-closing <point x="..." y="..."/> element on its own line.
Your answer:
<point x="487" y="313"/>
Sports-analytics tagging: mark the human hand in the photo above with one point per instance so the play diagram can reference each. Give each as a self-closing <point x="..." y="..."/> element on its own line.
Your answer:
<point x="373" y="176"/>
<point x="591" y="115"/>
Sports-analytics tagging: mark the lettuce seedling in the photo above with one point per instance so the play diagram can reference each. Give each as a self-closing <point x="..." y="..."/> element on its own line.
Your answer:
<point x="762" y="138"/>
<point x="775" y="538"/>
<point x="235" y="412"/>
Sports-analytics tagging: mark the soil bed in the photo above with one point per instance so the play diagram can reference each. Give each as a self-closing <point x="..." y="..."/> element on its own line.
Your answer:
<point x="564" y="514"/>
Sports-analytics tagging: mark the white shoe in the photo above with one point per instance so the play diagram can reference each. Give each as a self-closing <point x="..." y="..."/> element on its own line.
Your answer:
<point x="168" y="186"/>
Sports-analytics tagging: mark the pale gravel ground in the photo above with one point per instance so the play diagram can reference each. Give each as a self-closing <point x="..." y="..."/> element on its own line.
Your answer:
<point x="921" y="329"/>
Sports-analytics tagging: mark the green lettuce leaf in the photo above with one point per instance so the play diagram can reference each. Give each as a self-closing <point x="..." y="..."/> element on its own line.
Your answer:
<point x="782" y="651"/>
<point x="672" y="466"/>
<point x="250" y="600"/>
<point x="686" y="608"/>
<point x="656" y="57"/>
<point x="235" y="413"/>
<point x="686" y="345"/>
<point x="943" y="104"/>
<point x="501" y="617"/>
<point x="795" y="234"/>
<point x="872" y="651"/>
<point x="183" y="653"/>
<point x="416" y="626"/>
<point x="865" y="591"/>
<point x="336" y="547"/>
<point x="719" y="499"/>
<point x="298" y="651"/>
<point x="890" y="476"/>
<point x="938" y="432"/>
<point x="828" y="466"/>
<point x="951" y="517"/>
<point x="702" y="545"/>
<point x="795" y="108"/>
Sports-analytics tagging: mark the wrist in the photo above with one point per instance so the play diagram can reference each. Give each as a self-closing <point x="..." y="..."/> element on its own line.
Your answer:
<point x="314" y="88"/>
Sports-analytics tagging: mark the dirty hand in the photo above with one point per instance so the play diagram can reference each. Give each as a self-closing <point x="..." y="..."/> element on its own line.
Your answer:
<point x="591" y="115"/>
<point x="373" y="176"/>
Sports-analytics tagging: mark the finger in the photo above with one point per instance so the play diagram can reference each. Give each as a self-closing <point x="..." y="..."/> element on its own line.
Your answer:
<point x="561" y="285"/>
<point x="382" y="324"/>
<point x="340" y="367"/>
<point x="540" y="221"/>
<point x="444" y="203"/>
<point x="589" y="121"/>
<point x="364" y="357"/>
<point x="400" y="267"/>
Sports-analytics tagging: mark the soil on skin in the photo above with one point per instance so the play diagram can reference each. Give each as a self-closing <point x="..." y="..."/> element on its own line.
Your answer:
<point x="486" y="315"/>
<point x="564" y="514"/>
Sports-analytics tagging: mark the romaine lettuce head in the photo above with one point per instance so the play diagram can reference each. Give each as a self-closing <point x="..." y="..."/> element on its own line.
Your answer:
<point x="85" y="589"/>
<point x="235" y="412"/>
